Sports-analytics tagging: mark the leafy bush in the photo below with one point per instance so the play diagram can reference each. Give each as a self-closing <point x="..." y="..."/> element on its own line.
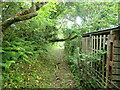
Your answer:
<point x="79" y="63"/>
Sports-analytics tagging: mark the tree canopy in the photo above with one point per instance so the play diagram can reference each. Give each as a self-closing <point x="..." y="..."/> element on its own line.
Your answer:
<point x="52" y="15"/>
<point x="28" y="28"/>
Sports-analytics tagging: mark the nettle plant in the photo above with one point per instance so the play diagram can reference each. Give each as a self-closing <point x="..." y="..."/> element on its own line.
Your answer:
<point x="79" y="64"/>
<point x="19" y="51"/>
<point x="85" y="62"/>
<point x="92" y="57"/>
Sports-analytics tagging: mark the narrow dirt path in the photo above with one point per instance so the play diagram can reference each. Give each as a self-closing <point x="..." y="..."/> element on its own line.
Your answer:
<point x="63" y="78"/>
<point x="51" y="72"/>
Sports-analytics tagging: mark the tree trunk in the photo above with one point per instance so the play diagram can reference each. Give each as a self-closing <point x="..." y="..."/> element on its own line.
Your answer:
<point x="10" y="21"/>
<point x="24" y="15"/>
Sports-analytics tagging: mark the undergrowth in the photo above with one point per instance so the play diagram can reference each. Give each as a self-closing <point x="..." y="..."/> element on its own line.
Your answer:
<point x="26" y="64"/>
<point x="26" y="75"/>
<point x="80" y="63"/>
<point x="19" y="60"/>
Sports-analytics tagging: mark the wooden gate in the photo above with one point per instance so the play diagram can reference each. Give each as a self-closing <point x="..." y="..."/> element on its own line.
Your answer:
<point x="108" y="66"/>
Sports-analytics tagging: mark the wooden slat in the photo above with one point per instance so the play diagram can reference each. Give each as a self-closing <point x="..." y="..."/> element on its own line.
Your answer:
<point x="116" y="64"/>
<point x="91" y="40"/>
<point x="97" y="63"/>
<point x="97" y="43"/>
<point x="88" y="45"/>
<point x="97" y="48"/>
<point x="117" y="43"/>
<point x="116" y="71"/>
<point x="115" y="77"/>
<point x="94" y="44"/>
<point x="103" y="58"/>
<point x="83" y="45"/>
<point x="100" y="44"/>
<point x="116" y="84"/>
<point x="108" y="60"/>
<point x="116" y="50"/>
<point x="117" y="34"/>
<point x="104" y="40"/>
<point x="94" y="49"/>
<point x="116" y="57"/>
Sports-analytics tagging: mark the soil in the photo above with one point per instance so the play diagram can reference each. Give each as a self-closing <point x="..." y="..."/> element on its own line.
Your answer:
<point x="62" y="75"/>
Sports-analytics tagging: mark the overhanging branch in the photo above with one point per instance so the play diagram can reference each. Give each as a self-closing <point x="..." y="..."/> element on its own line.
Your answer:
<point x="10" y="21"/>
<point x="66" y="39"/>
<point x="24" y="15"/>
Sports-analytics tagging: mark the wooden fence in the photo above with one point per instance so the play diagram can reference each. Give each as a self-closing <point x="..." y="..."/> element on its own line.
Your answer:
<point x="104" y="45"/>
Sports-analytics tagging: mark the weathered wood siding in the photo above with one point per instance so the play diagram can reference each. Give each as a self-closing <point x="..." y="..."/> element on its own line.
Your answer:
<point x="116" y="64"/>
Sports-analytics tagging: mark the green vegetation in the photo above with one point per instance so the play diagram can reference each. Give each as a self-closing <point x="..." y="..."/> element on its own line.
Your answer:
<point x="80" y="73"/>
<point x="30" y="29"/>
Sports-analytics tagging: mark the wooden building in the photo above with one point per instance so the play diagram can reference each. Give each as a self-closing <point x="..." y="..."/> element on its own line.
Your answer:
<point x="108" y="41"/>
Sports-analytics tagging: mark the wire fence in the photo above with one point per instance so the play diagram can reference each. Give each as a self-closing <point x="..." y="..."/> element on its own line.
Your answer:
<point x="94" y="77"/>
<point x="92" y="73"/>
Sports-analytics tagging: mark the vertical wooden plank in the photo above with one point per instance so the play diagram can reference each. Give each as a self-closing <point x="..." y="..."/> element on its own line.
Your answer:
<point x="108" y="60"/>
<point x="94" y="48"/>
<point x="83" y="45"/>
<point x="100" y="44"/>
<point x="86" y="45"/>
<point x="97" y="43"/>
<point x="103" y="58"/>
<point x="97" y="48"/>
<point x="85" y="62"/>
<point x="91" y="49"/>
<point x="90" y="41"/>
<point x="89" y="45"/>
<point x="94" y="45"/>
